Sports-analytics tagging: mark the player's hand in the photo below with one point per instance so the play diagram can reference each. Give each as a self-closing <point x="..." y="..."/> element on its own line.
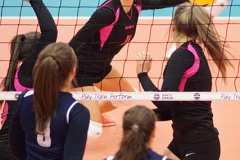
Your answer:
<point x="26" y="0"/>
<point x="144" y="62"/>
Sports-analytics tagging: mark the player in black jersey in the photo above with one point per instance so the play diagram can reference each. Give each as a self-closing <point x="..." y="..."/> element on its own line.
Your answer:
<point x="194" y="134"/>
<point x="109" y="29"/>
<point x="24" y="50"/>
<point x="48" y="123"/>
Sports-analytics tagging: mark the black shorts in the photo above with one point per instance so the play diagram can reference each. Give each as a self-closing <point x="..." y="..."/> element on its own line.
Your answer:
<point x="207" y="150"/>
<point x="88" y="79"/>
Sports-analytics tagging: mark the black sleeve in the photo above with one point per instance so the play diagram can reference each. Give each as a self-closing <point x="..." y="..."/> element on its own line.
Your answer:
<point x="158" y="4"/>
<point x="77" y="132"/>
<point x="178" y="63"/>
<point x="48" y="35"/>
<point x="100" y="18"/>
<point x="163" y="114"/>
<point x="16" y="133"/>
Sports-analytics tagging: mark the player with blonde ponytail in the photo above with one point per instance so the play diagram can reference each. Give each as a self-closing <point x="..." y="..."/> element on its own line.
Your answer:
<point x="187" y="70"/>
<point x="213" y="7"/>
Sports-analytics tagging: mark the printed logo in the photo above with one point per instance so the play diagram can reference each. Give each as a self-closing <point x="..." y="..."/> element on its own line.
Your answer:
<point x="127" y="40"/>
<point x="129" y="27"/>
<point x="188" y="154"/>
<point x="156" y="96"/>
<point x="167" y="96"/>
<point x="197" y="96"/>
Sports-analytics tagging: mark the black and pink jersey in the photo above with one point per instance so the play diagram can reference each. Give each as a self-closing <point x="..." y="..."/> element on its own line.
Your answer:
<point x="107" y="31"/>
<point x="186" y="71"/>
<point x="23" y="76"/>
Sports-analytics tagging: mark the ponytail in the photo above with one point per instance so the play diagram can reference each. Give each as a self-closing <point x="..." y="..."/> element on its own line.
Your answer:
<point x="194" y="22"/>
<point x="20" y="46"/>
<point x="215" y="47"/>
<point x="52" y="69"/>
<point x="133" y="146"/>
<point x="46" y="86"/>
<point x="138" y="126"/>
<point x="15" y="50"/>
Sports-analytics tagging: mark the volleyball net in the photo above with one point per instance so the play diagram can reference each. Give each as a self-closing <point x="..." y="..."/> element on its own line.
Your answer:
<point x="148" y="96"/>
<point x="151" y="36"/>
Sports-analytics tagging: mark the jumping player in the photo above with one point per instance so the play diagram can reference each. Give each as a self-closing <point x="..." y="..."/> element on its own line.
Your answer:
<point x="213" y="7"/>
<point x="194" y="134"/>
<point x="24" y="50"/>
<point x="109" y="29"/>
<point x="48" y="123"/>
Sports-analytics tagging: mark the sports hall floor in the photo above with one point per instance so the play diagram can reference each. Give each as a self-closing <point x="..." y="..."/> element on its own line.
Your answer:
<point x="151" y="36"/>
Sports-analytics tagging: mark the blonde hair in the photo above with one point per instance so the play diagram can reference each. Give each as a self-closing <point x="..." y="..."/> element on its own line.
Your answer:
<point x="193" y="21"/>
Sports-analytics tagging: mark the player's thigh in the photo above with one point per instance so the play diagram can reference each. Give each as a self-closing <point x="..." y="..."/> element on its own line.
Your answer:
<point x="114" y="81"/>
<point x="208" y="150"/>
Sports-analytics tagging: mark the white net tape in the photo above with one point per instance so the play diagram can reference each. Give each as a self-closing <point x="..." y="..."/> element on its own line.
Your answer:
<point x="148" y="96"/>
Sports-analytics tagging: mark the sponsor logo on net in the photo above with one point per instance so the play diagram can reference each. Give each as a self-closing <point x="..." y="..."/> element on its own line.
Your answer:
<point x="167" y="96"/>
<point x="157" y="96"/>
<point x="197" y="96"/>
<point x="16" y="95"/>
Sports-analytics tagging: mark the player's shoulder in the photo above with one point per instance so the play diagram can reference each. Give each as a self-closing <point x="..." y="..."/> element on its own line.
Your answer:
<point x="181" y="53"/>
<point x="110" y="4"/>
<point x="105" y="14"/>
<point x="186" y="50"/>
<point x="78" y="107"/>
<point x="25" y="96"/>
<point x="27" y="93"/>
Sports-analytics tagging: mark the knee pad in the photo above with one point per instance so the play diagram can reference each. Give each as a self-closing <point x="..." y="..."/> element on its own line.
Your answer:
<point x="95" y="129"/>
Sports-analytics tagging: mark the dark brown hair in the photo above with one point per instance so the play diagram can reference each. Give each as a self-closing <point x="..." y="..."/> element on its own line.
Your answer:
<point x="53" y="67"/>
<point x="20" y="46"/>
<point x="138" y="126"/>
<point x="193" y="21"/>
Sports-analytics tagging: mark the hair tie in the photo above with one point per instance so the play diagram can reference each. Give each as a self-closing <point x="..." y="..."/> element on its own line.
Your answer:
<point x="23" y="37"/>
<point x="50" y="55"/>
<point x="135" y="127"/>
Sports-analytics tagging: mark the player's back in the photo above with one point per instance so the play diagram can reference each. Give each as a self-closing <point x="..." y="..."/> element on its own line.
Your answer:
<point x="51" y="144"/>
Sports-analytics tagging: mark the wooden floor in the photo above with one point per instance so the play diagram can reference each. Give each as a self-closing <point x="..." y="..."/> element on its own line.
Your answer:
<point x="151" y="36"/>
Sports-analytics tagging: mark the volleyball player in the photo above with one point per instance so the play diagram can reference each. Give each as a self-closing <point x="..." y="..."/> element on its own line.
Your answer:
<point x="48" y="123"/>
<point x="213" y="9"/>
<point x="109" y="29"/>
<point x="138" y="134"/>
<point x="194" y="134"/>
<point x="24" y="50"/>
